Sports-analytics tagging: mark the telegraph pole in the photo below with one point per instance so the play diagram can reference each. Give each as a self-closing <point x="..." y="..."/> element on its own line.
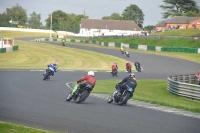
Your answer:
<point x="50" y="25"/>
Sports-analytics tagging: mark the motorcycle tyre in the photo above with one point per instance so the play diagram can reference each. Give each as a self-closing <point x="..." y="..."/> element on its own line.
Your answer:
<point x="69" y="98"/>
<point x="125" y="99"/>
<point x="46" y="76"/>
<point x="110" y="99"/>
<point x="82" y="96"/>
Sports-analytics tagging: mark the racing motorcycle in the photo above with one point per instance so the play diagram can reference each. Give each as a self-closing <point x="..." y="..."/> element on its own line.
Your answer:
<point x="129" y="69"/>
<point x="114" y="72"/>
<point x="137" y="66"/>
<point x="63" y="43"/>
<point x="127" y="53"/>
<point x="79" y="95"/>
<point x="48" y="73"/>
<point x="121" y="99"/>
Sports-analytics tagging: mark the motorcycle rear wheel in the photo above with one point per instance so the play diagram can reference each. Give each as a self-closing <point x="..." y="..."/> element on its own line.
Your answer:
<point x="125" y="98"/>
<point x="82" y="96"/>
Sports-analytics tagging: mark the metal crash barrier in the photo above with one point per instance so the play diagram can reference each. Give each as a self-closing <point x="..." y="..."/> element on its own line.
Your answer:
<point x="182" y="85"/>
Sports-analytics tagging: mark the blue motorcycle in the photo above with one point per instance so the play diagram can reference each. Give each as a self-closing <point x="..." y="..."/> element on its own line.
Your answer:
<point x="123" y="98"/>
<point x="49" y="72"/>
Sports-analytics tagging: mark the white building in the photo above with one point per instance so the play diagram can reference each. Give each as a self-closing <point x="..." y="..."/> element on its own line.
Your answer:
<point x="95" y="27"/>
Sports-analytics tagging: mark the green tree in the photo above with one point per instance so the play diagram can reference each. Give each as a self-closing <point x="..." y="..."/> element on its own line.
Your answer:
<point x="133" y="12"/>
<point x="4" y="20"/>
<point x="114" y="16"/>
<point x="35" y="20"/>
<point x="192" y="14"/>
<point x="178" y="7"/>
<point x="60" y="20"/>
<point x="64" y="22"/>
<point x="149" y="27"/>
<point x="17" y="13"/>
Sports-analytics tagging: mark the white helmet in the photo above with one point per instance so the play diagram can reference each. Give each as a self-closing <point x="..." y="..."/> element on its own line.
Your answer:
<point x="91" y="73"/>
<point x="132" y="75"/>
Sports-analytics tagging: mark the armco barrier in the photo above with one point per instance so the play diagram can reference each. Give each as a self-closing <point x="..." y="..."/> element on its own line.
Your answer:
<point x="181" y="85"/>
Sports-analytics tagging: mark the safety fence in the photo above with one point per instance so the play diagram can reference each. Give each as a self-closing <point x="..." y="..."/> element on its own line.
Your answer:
<point x="132" y="46"/>
<point x="184" y="85"/>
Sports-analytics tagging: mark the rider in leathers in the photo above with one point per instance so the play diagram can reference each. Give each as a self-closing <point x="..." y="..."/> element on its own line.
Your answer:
<point x="127" y="82"/>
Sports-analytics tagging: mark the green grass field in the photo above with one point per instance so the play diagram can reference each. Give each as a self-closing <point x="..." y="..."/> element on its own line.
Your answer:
<point x="179" y="32"/>
<point x="17" y="34"/>
<point x="33" y="55"/>
<point x="6" y="127"/>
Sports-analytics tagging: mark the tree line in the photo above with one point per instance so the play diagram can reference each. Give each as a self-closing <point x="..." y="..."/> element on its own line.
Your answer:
<point x="71" y="22"/>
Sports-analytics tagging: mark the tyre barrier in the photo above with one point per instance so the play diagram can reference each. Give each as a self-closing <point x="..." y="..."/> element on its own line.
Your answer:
<point x="184" y="85"/>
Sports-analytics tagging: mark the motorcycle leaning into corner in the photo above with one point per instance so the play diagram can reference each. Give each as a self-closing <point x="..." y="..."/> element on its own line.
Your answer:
<point x="114" y="72"/>
<point x="124" y="90"/>
<point x="49" y="72"/>
<point x="137" y="66"/>
<point x="79" y="95"/>
<point x="126" y="53"/>
<point x="121" y="99"/>
<point x="63" y="43"/>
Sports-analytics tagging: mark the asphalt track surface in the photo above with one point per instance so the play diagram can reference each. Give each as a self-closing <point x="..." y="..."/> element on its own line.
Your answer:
<point x="26" y="99"/>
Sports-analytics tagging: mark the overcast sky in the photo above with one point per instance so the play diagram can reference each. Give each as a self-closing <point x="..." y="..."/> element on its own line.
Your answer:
<point x="95" y="9"/>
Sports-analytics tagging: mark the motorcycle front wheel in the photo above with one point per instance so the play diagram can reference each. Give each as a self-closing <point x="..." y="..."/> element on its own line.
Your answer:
<point x="69" y="97"/>
<point x="110" y="99"/>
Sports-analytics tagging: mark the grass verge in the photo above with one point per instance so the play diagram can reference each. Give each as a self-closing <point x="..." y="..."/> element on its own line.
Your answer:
<point x="178" y="32"/>
<point x="151" y="91"/>
<point x="6" y="127"/>
<point x="33" y="55"/>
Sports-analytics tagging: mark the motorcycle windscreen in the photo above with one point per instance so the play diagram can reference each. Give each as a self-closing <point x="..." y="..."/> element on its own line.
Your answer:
<point x="75" y="88"/>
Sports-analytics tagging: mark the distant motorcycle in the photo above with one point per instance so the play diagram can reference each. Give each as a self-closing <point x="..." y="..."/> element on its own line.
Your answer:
<point x="127" y="53"/>
<point x="137" y="66"/>
<point x="79" y="95"/>
<point x="63" y="43"/>
<point x="123" y="98"/>
<point x="48" y="73"/>
<point x="114" y="72"/>
<point x="129" y="70"/>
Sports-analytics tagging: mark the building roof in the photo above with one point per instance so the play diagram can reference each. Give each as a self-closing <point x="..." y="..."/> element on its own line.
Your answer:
<point x="162" y="23"/>
<point x="109" y="24"/>
<point x="182" y="20"/>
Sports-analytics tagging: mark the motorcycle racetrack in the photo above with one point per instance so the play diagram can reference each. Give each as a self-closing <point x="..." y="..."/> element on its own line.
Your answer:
<point x="28" y="100"/>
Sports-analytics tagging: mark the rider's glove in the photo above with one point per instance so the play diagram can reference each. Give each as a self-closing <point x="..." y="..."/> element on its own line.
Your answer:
<point x="78" y="81"/>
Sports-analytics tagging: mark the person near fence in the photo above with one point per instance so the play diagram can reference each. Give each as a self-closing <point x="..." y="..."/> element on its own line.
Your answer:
<point x="198" y="76"/>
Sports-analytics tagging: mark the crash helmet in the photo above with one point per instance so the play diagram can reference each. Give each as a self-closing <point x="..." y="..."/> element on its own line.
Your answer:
<point x="132" y="75"/>
<point x="91" y="73"/>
